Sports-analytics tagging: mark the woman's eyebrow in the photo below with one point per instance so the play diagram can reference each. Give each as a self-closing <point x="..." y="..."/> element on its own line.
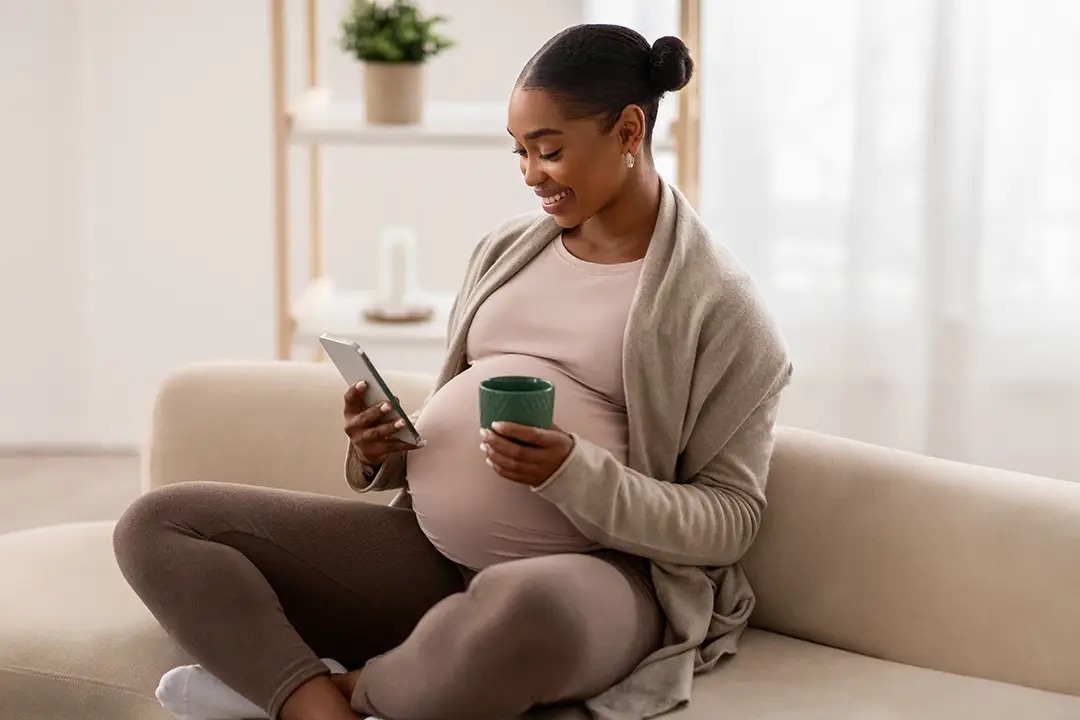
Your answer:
<point x="539" y="133"/>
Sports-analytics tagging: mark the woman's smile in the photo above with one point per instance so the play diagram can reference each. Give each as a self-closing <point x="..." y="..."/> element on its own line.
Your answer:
<point x="552" y="201"/>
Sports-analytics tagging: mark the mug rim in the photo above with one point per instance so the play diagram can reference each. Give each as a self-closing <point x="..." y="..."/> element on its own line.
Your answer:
<point x="541" y="384"/>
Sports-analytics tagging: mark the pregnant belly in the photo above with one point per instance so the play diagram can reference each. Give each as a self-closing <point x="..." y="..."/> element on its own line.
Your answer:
<point x="470" y="513"/>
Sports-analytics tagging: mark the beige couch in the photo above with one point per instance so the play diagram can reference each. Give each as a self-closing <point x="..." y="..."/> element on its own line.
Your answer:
<point x="890" y="585"/>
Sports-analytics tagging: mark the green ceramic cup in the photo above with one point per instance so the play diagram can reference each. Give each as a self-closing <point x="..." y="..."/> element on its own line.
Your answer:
<point x="517" y="399"/>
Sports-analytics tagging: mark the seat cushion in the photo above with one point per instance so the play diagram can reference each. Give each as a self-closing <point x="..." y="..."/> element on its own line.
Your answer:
<point x="75" y="641"/>
<point x="775" y="676"/>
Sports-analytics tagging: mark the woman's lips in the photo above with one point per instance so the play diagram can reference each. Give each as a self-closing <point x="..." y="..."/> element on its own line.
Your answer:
<point x="552" y="203"/>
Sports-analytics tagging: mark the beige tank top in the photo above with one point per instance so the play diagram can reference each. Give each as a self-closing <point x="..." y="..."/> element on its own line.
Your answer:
<point x="562" y="319"/>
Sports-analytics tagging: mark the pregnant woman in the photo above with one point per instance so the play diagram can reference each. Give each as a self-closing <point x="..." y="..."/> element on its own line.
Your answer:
<point x="599" y="565"/>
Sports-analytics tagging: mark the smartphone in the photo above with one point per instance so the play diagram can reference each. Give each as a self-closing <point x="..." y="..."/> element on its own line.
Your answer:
<point x="354" y="365"/>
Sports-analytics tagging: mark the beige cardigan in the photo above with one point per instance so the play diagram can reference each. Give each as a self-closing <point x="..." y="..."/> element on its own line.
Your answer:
<point x="703" y="367"/>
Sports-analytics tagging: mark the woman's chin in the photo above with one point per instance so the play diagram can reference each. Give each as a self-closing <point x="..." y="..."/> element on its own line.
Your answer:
<point x="569" y="220"/>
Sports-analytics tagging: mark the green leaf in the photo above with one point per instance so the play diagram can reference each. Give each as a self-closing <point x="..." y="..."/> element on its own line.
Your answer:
<point x="391" y="32"/>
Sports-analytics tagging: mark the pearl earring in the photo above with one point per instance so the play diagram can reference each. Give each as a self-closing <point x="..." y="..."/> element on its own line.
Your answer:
<point x="629" y="158"/>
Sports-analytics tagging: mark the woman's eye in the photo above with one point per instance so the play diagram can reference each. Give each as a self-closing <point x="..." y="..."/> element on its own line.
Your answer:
<point x="521" y="152"/>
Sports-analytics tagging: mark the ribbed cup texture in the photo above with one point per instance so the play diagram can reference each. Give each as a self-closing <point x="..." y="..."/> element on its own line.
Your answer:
<point x="517" y="399"/>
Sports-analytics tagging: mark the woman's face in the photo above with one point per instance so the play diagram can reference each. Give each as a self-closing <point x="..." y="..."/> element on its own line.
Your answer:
<point x="574" y="167"/>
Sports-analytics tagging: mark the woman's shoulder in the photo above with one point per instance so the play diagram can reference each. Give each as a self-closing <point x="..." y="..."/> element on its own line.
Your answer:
<point x="515" y="225"/>
<point x="703" y="260"/>
<point x="512" y="228"/>
<point x="505" y="235"/>
<point x="712" y="272"/>
<point x="725" y="297"/>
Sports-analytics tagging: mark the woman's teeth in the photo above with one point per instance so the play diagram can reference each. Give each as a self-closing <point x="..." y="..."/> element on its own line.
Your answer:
<point x="555" y="198"/>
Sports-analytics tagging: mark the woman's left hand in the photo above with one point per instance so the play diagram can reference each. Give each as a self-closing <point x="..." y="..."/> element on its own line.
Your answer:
<point x="530" y="466"/>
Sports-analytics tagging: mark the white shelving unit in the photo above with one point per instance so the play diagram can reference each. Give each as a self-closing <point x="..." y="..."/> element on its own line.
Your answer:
<point x="415" y="347"/>
<point x="322" y="307"/>
<point x="315" y="119"/>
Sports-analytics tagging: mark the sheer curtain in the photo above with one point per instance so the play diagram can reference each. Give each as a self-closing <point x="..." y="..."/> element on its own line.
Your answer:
<point x="903" y="181"/>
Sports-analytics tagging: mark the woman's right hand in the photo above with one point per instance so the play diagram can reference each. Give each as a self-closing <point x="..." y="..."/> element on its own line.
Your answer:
<point x="371" y="429"/>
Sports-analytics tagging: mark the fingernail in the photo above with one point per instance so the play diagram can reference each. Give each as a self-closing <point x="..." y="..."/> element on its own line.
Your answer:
<point x="422" y="443"/>
<point x="490" y="464"/>
<point x="385" y="407"/>
<point x="484" y="448"/>
<point x="497" y="426"/>
<point x="485" y="433"/>
<point x="399" y="424"/>
<point x="360" y="385"/>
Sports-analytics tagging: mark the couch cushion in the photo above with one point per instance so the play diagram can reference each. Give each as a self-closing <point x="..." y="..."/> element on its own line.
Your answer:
<point x="75" y="641"/>
<point x="775" y="676"/>
<point x="79" y="644"/>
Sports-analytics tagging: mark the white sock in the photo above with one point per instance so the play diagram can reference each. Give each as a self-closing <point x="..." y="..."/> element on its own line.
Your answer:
<point x="191" y="692"/>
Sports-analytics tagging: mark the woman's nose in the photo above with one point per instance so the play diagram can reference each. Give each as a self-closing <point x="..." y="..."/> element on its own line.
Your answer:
<point x="532" y="173"/>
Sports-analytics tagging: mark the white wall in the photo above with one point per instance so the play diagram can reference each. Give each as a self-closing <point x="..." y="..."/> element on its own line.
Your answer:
<point x="177" y="255"/>
<point x="43" y="351"/>
<point x="136" y="191"/>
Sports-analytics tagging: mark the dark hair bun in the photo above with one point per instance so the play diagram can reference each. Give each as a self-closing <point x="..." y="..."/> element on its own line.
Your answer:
<point x="671" y="66"/>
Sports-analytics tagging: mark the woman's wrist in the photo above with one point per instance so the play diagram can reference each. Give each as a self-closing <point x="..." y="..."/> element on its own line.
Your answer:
<point x="367" y="468"/>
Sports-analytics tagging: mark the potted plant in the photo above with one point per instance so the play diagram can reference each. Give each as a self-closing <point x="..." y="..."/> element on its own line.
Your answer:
<point x="392" y="40"/>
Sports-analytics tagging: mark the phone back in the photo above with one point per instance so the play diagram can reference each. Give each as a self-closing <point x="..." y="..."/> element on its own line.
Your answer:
<point x="355" y="366"/>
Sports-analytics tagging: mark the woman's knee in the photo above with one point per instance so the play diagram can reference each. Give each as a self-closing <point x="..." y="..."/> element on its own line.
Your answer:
<point x="529" y="617"/>
<point x="149" y="514"/>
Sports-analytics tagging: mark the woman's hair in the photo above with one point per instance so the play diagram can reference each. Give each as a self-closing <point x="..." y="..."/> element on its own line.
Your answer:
<point x="597" y="70"/>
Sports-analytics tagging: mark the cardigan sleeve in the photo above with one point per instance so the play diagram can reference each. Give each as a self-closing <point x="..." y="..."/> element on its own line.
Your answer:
<point x="709" y="521"/>
<point x="390" y="475"/>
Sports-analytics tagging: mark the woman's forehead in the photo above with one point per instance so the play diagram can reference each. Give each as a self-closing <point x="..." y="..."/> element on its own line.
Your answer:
<point x="531" y="110"/>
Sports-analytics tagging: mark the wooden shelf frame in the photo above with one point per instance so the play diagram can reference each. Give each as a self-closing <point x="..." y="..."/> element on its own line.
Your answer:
<point x="291" y="125"/>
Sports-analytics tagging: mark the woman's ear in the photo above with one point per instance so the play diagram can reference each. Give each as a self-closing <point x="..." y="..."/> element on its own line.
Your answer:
<point x="631" y="127"/>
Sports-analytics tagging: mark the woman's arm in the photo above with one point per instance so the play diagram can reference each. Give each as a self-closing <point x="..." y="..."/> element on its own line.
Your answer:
<point x="710" y="521"/>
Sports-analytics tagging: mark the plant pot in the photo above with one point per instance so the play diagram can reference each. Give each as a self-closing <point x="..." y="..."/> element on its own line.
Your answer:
<point x="393" y="92"/>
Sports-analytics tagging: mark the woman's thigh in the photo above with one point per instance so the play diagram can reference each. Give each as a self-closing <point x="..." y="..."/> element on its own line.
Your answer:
<point x="352" y="578"/>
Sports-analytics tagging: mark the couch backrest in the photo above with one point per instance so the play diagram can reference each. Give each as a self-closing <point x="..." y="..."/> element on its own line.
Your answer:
<point x="923" y="561"/>
<point x="882" y="552"/>
<point x="275" y="424"/>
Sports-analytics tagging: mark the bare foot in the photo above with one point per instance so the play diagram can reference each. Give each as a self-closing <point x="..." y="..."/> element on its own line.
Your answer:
<point x="317" y="699"/>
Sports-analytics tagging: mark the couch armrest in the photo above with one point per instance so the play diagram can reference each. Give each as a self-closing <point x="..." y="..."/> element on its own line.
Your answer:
<point x="274" y="424"/>
<point x="939" y="564"/>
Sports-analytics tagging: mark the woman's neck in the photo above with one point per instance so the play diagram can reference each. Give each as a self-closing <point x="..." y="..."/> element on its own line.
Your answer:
<point x="621" y="231"/>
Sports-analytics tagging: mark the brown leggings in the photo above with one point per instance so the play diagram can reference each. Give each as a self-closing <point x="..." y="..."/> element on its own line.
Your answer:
<point x="258" y="583"/>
